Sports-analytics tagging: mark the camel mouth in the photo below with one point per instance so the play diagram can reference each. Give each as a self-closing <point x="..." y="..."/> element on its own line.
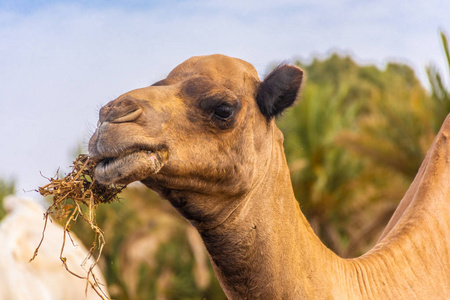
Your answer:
<point x="129" y="166"/>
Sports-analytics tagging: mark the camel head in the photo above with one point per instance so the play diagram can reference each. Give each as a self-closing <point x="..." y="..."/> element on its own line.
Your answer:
<point x="204" y="130"/>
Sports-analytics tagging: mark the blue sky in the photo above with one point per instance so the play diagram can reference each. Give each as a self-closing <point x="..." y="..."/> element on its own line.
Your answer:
<point x="61" y="60"/>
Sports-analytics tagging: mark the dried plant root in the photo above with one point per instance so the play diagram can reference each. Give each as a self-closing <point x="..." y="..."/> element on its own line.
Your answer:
<point x="70" y="193"/>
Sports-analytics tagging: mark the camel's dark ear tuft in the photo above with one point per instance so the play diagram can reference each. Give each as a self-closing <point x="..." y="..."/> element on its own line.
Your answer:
<point x="279" y="90"/>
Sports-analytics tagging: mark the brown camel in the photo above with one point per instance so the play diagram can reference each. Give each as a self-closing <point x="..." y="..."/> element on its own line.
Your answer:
<point x="205" y="138"/>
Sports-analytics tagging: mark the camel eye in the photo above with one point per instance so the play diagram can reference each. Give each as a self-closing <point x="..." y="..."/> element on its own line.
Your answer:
<point x="223" y="112"/>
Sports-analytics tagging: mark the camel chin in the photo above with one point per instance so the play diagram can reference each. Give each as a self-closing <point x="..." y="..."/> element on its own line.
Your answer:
<point x="129" y="167"/>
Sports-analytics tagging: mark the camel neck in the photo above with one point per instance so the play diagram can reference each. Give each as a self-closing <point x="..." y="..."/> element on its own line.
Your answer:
<point x="266" y="248"/>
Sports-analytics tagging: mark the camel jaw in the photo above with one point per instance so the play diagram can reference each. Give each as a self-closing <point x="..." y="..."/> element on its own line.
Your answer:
<point x="129" y="166"/>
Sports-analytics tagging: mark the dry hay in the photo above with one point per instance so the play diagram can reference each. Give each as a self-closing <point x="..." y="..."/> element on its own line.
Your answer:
<point x="70" y="194"/>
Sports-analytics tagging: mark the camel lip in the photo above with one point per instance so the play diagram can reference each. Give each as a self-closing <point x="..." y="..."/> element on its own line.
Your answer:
<point x="106" y="158"/>
<point x="133" y="164"/>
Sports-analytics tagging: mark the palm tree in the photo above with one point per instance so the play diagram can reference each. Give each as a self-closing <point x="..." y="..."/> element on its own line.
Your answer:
<point x="353" y="143"/>
<point x="440" y="93"/>
<point x="323" y="173"/>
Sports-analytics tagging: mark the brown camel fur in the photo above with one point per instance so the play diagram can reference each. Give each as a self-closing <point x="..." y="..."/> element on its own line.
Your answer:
<point x="205" y="138"/>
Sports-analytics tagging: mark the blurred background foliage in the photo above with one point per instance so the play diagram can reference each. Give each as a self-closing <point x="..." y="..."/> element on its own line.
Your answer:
<point x="354" y="143"/>
<point x="358" y="138"/>
<point x="151" y="252"/>
<point x="7" y="187"/>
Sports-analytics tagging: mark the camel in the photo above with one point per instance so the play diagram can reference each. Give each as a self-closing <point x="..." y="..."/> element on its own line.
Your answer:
<point x="205" y="138"/>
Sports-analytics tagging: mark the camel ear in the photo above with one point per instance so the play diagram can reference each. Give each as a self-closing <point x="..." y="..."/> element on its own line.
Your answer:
<point x="279" y="90"/>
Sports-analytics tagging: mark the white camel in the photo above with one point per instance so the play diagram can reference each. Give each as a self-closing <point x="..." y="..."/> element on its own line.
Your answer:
<point x="45" y="278"/>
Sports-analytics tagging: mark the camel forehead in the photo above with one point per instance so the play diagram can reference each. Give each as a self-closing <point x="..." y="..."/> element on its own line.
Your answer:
<point x="221" y="69"/>
<point x="201" y="76"/>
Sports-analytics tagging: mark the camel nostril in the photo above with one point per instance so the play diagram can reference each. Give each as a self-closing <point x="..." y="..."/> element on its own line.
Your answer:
<point x="128" y="116"/>
<point x="120" y="111"/>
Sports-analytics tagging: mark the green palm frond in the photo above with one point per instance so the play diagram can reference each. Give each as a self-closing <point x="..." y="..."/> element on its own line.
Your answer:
<point x="439" y="90"/>
<point x="356" y="131"/>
